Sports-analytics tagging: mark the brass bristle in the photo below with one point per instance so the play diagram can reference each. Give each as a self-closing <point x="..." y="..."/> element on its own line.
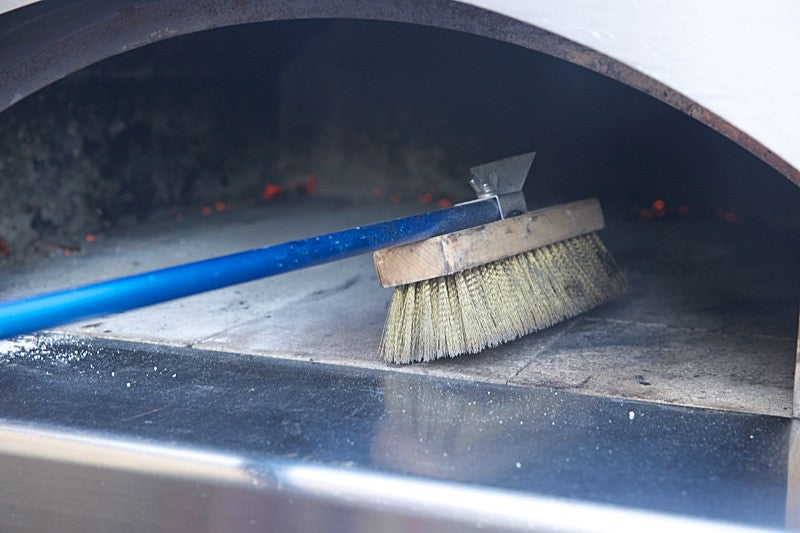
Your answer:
<point x="494" y="303"/>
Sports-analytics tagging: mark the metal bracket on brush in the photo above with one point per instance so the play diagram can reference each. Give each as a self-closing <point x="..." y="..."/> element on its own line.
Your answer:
<point x="503" y="180"/>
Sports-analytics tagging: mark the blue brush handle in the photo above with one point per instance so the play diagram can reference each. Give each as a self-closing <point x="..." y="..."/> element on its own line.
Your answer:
<point x="113" y="296"/>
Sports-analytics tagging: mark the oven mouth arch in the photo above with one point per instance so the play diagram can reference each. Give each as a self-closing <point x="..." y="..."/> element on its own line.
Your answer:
<point x="42" y="43"/>
<point x="167" y="38"/>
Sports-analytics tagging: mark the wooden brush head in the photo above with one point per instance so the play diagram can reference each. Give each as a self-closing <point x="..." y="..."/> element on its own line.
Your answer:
<point x="462" y="250"/>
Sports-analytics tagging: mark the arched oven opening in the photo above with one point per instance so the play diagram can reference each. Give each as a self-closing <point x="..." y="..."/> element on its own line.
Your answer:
<point x="234" y="138"/>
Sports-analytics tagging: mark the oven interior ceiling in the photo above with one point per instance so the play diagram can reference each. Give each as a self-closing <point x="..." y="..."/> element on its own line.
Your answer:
<point x="230" y="139"/>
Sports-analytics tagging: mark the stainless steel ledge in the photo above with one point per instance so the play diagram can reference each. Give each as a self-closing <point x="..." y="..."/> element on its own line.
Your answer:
<point x="105" y="435"/>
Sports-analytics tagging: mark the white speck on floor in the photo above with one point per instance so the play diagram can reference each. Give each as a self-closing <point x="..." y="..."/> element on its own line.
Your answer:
<point x="15" y="346"/>
<point x="45" y="348"/>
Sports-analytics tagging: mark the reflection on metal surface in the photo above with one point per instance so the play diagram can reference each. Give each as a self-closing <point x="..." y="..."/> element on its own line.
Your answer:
<point x="83" y="495"/>
<point x="413" y="437"/>
<point x="125" y="473"/>
<point x="121" y="454"/>
<point x="481" y="507"/>
<point x="523" y="436"/>
<point x="222" y="439"/>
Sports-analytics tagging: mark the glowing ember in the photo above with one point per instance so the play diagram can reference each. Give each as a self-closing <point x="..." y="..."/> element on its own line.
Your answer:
<point x="205" y="210"/>
<point x="271" y="191"/>
<point x="311" y="184"/>
<point x="727" y="216"/>
<point x="220" y="206"/>
<point x="660" y="208"/>
<point x="444" y="203"/>
<point x="89" y="237"/>
<point x="425" y="198"/>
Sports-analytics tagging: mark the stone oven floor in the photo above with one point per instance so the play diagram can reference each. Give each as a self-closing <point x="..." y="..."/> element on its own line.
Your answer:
<point x="710" y="320"/>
